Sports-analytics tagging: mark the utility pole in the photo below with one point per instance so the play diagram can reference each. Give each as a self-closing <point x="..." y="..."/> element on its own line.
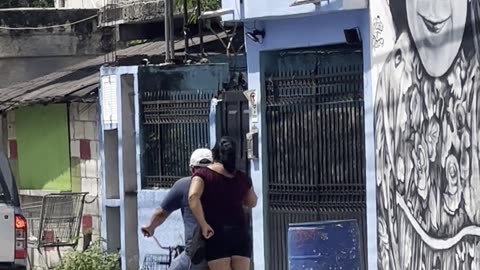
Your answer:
<point x="172" y="27"/>
<point x="185" y="26"/>
<point x="169" y="31"/>
<point x="200" y="25"/>
<point x="166" y="18"/>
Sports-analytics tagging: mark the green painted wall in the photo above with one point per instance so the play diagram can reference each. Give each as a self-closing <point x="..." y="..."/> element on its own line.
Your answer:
<point x="43" y="147"/>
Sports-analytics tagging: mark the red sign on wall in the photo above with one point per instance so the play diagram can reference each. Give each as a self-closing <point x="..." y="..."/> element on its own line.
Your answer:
<point x="85" y="153"/>
<point x="12" y="148"/>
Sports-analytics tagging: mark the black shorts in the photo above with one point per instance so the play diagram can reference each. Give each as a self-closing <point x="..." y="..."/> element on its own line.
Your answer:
<point x="228" y="242"/>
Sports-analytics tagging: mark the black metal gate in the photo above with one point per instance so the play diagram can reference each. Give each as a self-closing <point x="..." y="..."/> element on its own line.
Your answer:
<point x="174" y="124"/>
<point x="315" y="133"/>
<point x="232" y="120"/>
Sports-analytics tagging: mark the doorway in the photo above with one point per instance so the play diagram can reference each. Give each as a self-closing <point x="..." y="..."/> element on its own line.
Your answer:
<point x="233" y="121"/>
<point x="315" y="141"/>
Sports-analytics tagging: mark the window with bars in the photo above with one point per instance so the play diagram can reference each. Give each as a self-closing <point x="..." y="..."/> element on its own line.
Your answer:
<point x="174" y="124"/>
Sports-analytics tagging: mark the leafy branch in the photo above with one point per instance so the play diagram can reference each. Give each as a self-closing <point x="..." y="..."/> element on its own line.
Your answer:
<point x="92" y="258"/>
<point x="206" y="5"/>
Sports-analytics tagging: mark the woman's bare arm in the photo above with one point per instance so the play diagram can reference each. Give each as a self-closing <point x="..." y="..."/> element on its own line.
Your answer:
<point x="195" y="193"/>
<point x="251" y="200"/>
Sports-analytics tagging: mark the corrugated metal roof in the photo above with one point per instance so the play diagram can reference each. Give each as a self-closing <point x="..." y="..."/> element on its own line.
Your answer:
<point x="76" y="82"/>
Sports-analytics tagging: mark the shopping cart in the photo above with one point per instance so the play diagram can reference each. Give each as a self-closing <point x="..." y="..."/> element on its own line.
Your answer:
<point x="54" y="222"/>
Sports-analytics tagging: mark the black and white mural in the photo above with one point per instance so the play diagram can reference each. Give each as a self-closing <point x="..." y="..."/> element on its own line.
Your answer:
<point x="427" y="110"/>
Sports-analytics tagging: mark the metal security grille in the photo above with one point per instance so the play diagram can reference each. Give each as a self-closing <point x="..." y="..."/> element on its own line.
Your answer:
<point x="174" y="124"/>
<point x="232" y="120"/>
<point x="316" y="155"/>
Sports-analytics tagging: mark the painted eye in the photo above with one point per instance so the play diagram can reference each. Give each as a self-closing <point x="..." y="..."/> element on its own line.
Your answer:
<point x="398" y="58"/>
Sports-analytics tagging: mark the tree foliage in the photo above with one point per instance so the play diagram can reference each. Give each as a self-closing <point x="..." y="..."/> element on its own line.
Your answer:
<point x="26" y="3"/>
<point x="206" y="5"/>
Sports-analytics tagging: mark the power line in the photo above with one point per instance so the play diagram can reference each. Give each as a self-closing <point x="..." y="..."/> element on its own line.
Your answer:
<point x="48" y="27"/>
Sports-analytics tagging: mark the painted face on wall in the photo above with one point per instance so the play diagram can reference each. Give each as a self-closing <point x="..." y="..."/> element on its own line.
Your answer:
<point x="437" y="28"/>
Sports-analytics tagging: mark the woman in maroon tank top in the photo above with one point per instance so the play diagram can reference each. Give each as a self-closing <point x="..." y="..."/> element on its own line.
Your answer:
<point x="218" y="194"/>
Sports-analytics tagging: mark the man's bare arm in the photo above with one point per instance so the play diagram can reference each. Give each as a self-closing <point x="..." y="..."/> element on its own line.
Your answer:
<point x="158" y="218"/>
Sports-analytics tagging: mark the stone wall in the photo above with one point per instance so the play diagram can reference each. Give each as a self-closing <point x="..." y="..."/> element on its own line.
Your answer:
<point x="20" y="69"/>
<point x="12" y="142"/>
<point x="34" y="50"/>
<point x="134" y="11"/>
<point x="85" y="159"/>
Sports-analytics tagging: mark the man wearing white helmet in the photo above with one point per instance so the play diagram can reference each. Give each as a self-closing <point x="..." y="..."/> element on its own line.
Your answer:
<point x="177" y="198"/>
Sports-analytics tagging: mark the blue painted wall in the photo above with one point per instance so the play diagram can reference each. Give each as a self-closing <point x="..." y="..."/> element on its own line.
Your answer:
<point x="310" y="31"/>
<point x="171" y="233"/>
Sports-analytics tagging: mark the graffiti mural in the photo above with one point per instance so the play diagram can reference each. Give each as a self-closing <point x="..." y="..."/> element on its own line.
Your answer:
<point x="377" y="39"/>
<point x="427" y="106"/>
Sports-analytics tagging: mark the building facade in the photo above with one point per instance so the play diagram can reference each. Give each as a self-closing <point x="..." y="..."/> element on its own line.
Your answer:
<point x="51" y="141"/>
<point x="309" y="67"/>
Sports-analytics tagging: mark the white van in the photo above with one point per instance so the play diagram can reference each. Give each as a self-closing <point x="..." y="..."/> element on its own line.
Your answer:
<point x="13" y="226"/>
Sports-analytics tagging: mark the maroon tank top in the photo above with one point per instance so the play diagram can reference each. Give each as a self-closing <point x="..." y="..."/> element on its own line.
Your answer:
<point x="223" y="197"/>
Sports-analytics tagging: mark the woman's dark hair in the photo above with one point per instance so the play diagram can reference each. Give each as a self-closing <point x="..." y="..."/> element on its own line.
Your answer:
<point x="224" y="152"/>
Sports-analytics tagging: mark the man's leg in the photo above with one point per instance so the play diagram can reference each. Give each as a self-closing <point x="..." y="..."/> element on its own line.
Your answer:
<point x="182" y="262"/>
